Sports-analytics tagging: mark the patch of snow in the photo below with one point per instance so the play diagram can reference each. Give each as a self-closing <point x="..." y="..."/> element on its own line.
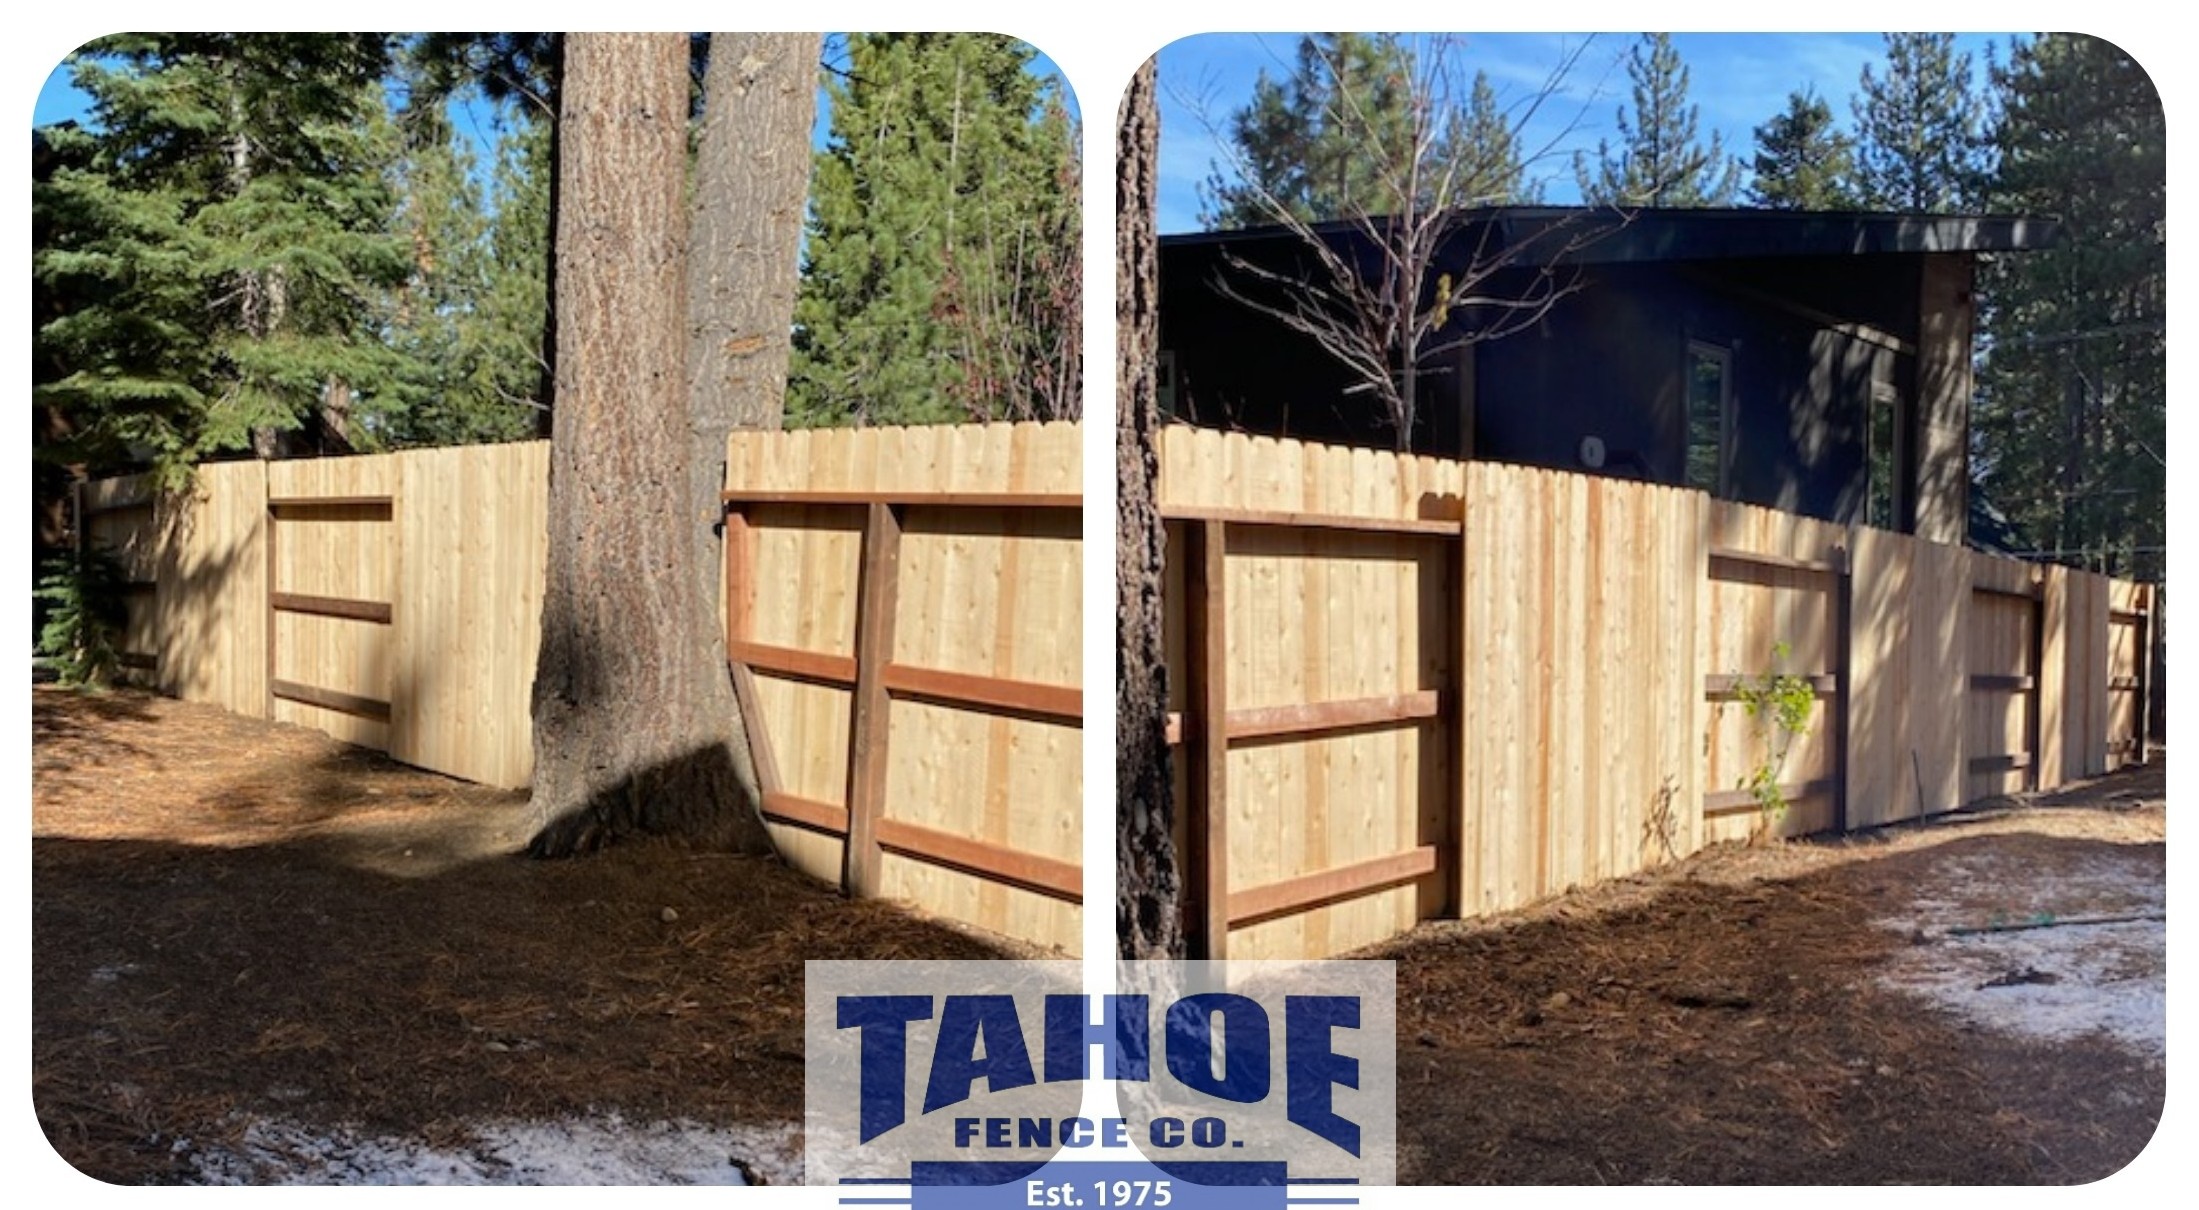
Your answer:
<point x="2054" y="983"/>
<point x="605" y="1150"/>
<point x="108" y="974"/>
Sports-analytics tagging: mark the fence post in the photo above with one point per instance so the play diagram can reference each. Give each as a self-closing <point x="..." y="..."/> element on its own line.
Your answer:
<point x="876" y="593"/>
<point x="268" y="507"/>
<point x="1206" y="734"/>
<point x="2035" y="717"/>
<point x="1451" y="855"/>
<point x="2142" y="655"/>
<point x="1842" y="606"/>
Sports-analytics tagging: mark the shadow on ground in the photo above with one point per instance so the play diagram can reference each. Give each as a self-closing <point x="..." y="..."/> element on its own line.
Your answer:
<point x="301" y="930"/>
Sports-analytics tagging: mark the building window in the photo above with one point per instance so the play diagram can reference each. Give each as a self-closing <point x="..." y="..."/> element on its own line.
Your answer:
<point x="1883" y="508"/>
<point x="1709" y="417"/>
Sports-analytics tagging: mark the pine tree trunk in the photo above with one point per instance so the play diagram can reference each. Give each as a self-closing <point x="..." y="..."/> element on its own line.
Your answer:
<point x="1148" y="882"/>
<point x="545" y="421"/>
<point x="751" y="184"/>
<point x="634" y="721"/>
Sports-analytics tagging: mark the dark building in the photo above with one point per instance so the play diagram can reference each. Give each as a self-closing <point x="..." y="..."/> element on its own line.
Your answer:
<point x="1813" y="362"/>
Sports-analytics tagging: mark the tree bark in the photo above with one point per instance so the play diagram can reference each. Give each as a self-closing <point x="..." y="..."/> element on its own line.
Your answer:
<point x="751" y="184"/>
<point x="1148" y="881"/>
<point x="635" y="724"/>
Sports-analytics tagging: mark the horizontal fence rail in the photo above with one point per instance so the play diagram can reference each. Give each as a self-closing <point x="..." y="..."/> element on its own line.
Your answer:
<point x="899" y="621"/>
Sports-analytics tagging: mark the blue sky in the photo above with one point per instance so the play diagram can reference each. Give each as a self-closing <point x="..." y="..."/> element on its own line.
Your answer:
<point x="1738" y="80"/>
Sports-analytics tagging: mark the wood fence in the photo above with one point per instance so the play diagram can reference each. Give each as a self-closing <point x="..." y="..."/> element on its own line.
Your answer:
<point x="392" y="601"/>
<point x="1407" y="687"/>
<point x="903" y="609"/>
<point x="1402" y="687"/>
<point x="905" y="616"/>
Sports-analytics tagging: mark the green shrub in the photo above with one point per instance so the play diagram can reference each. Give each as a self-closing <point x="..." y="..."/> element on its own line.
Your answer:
<point x="87" y="597"/>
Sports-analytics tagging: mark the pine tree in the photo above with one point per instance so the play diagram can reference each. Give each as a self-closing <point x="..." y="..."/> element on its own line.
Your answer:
<point x="467" y="366"/>
<point x="1802" y="162"/>
<point x="1921" y="145"/>
<point x="1320" y="140"/>
<point x="2071" y="419"/>
<point x="1658" y="162"/>
<point x="940" y="269"/>
<point x="223" y="244"/>
<point x="1484" y="140"/>
<point x="1342" y="133"/>
<point x="1148" y="872"/>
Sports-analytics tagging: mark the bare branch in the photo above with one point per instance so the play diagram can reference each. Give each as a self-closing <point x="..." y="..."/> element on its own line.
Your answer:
<point x="1389" y="282"/>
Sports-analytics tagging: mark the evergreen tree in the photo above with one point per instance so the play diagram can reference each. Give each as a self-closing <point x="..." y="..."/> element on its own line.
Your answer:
<point x="1921" y="145"/>
<point x="1658" y="161"/>
<point x="467" y="322"/>
<point x="1345" y="130"/>
<point x="1482" y="138"/>
<point x="941" y="265"/>
<point x="1802" y="162"/>
<point x="1320" y="141"/>
<point x="2071" y="418"/>
<point x="223" y="244"/>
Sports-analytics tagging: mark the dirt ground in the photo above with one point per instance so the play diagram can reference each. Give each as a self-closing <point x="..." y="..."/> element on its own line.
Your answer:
<point x="1752" y="1015"/>
<point x="236" y="923"/>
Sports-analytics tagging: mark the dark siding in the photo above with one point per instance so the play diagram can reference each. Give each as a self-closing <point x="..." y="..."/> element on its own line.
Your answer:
<point x="1607" y="360"/>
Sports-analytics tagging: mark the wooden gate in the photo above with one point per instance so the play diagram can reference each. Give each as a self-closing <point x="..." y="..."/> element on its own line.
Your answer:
<point x="1319" y="708"/>
<point x="2007" y="620"/>
<point x="2129" y="672"/>
<point x="331" y="584"/>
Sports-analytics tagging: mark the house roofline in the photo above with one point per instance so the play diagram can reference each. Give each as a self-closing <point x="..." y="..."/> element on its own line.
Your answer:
<point x="1607" y="235"/>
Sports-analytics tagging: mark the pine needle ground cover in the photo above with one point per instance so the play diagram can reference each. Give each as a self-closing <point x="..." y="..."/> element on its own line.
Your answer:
<point x="237" y="925"/>
<point x="1974" y="999"/>
<point x="253" y="945"/>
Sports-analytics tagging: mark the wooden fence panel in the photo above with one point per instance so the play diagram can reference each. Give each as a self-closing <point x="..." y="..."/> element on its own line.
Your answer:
<point x="1334" y="696"/>
<point x="2084" y="647"/>
<point x="1581" y="745"/>
<point x="2002" y="665"/>
<point x="211" y="610"/>
<point x="2130" y="621"/>
<point x="472" y="537"/>
<point x="979" y="806"/>
<point x="1773" y="581"/>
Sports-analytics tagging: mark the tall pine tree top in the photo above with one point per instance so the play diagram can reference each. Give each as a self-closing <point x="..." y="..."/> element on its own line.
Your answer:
<point x="1339" y="135"/>
<point x="940" y="270"/>
<point x="1802" y="162"/>
<point x="1921" y="145"/>
<point x="1658" y="161"/>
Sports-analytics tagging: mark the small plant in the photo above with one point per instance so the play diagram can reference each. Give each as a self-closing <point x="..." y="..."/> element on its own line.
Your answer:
<point x="1779" y="704"/>
<point x="87" y="612"/>
<point x="1661" y="824"/>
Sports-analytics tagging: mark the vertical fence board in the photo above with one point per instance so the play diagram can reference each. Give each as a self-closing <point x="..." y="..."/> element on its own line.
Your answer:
<point x="211" y="604"/>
